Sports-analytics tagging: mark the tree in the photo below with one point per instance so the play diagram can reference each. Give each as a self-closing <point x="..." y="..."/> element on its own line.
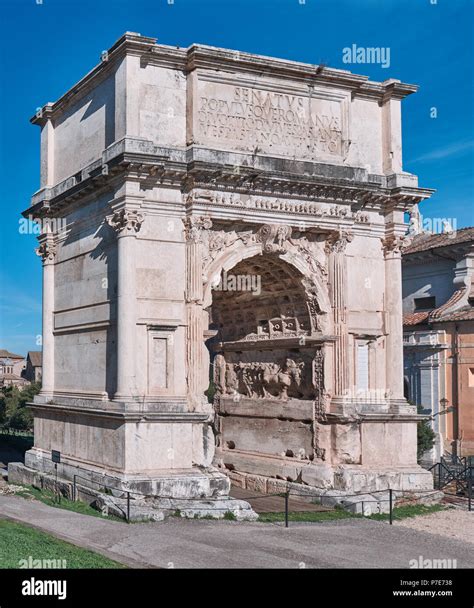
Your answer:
<point x="425" y="435"/>
<point x="14" y="413"/>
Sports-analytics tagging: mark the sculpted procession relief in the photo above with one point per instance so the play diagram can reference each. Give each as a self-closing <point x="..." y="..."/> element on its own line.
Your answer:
<point x="264" y="379"/>
<point x="254" y="117"/>
<point x="276" y="204"/>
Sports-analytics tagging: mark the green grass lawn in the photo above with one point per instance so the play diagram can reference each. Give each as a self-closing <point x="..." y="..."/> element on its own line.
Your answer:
<point x="49" y="498"/>
<point x="19" y="542"/>
<point x="338" y="513"/>
<point x="408" y="511"/>
<point x="308" y="516"/>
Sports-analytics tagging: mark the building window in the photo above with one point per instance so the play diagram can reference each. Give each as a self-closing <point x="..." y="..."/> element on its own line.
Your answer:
<point x="427" y="303"/>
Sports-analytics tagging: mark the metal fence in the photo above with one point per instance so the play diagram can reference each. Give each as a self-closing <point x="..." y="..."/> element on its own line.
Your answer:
<point x="461" y="477"/>
<point x="442" y="474"/>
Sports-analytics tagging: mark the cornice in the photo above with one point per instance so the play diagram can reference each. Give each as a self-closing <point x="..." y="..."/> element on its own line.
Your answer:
<point x="155" y="166"/>
<point x="128" y="44"/>
<point x="110" y="413"/>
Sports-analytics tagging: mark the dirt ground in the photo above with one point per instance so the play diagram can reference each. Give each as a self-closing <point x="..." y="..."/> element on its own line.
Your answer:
<point x="451" y="523"/>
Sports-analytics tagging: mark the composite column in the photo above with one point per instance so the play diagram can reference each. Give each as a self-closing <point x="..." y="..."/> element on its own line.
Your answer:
<point x="47" y="251"/>
<point x="194" y="315"/>
<point x="394" y="318"/>
<point x="335" y="247"/>
<point x="126" y="224"/>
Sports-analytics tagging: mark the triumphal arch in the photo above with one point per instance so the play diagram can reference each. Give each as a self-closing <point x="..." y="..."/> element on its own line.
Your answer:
<point x="221" y="237"/>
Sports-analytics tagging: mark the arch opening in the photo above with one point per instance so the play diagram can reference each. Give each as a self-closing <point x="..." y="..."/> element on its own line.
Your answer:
<point x="260" y="298"/>
<point x="266" y="359"/>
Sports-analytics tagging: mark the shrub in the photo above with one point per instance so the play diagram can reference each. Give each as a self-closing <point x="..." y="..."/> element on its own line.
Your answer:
<point x="425" y="435"/>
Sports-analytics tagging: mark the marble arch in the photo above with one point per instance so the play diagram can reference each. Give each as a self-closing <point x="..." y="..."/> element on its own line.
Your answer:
<point x="148" y="223"/>
<point x="266" y="354"/>
<point x="230" y="256"/>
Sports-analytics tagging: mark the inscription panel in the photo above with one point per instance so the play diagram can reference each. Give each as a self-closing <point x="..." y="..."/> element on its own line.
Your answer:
<point x="249" y="119"/>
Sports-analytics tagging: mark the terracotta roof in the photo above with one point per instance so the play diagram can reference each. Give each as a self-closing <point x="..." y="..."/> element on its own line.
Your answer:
<point x="36" y="358"/>
<point x="442" y="313"/>
<point x="414" y="318"/>
<point x="425" y="241"/>
<point x="12" y="377"/>
<point x="5" y="354"/>
<point x="466" y="313"/>
<point x="437" y="313"/>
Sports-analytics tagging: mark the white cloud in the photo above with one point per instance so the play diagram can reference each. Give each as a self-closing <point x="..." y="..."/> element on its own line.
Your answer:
<point x="445" y="152"/>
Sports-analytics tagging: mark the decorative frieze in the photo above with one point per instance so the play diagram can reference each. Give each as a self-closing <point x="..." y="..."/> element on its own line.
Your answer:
<point x="232" y="199"/>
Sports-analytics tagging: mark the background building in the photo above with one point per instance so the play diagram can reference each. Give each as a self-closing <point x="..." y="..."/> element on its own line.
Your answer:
<point x="11" y="369"/>
<point x="438" y="307"/>
<point x="34" y="366"/>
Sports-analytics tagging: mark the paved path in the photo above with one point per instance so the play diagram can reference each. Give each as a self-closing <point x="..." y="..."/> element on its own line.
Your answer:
<point x="351" y="543"/>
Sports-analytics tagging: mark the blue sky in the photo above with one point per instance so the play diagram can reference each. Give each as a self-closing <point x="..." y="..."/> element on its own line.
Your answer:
<point x="46" y="47"/>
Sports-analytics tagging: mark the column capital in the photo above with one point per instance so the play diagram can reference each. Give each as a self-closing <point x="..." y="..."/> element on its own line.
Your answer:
<point x="125" y="221"/>
<point x="394" y="244"/>
<point x="47" y="249"/>
<point x="193" y="225"/>
<point x="337" y="241"/>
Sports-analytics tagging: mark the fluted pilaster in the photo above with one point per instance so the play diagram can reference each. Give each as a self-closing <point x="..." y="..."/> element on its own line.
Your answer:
<point x="335" y="248"/>
<point x="194" y="313"/>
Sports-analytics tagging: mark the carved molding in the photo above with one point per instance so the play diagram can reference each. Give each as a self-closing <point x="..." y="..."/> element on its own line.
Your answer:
<point x="305" y="249"/>
<point x="217" y="241"/>
<point x="125" y="221"/>
<point x="274" y="239"/>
